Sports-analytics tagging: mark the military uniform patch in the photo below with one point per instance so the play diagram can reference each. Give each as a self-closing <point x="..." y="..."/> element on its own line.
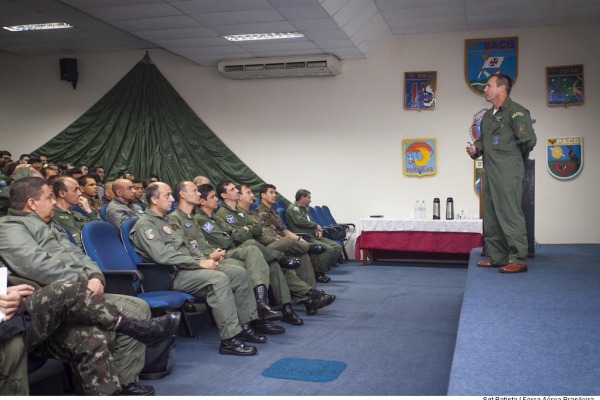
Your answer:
<point x="167" y="230"/>
<point x="496" y="140"/>
<point x="194" y="244"/>
<point x="230" y="219"/>
<point x="141" y="212"/>
<point x="517" y="114"/>
<point x="241" y="214"/>
<point x="171" y="246"/>
<point x="296" y="208"/>
<point x="208" y="227"/>
<point x="149" y="234"/>
<point x="175" y="227"/>
<point x="522" y="129"/>
<point x="188" y="225"/>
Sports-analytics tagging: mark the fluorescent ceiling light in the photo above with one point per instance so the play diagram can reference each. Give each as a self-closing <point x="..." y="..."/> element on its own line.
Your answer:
<point x="264" y="36"/>
<point x="37" y="27"/>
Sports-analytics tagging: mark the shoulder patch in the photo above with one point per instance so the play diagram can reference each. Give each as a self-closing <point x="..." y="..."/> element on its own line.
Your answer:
<point x="296" y="208"/>
<point x="149" y="234"/>
<point x="208" y="227"/>
<point x="522" y="128"/>
<point x="517" y="114"/>
<point x="167" y="230"/>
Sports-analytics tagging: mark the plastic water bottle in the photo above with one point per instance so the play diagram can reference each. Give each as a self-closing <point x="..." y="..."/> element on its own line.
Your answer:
<point x="423" y="210"/>
<point x="415" y="213"/>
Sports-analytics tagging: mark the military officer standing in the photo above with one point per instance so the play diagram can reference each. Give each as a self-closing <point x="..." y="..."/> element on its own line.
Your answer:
<point x="506" y="139"/>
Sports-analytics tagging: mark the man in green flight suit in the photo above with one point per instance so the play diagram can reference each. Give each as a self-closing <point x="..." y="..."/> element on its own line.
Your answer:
<point x="506" y="139"/>
<point x="230" y="296"/>
<point x="35" y="248"/>
<point x="299" y="221"/>
<point x="248" y="256"/>
<point x="68" y="194"/>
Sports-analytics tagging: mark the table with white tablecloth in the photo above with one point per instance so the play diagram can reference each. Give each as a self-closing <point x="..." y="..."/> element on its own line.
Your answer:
<point x="417" y="238"/>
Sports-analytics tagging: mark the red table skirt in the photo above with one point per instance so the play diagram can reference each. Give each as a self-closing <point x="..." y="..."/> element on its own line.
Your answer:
<point x="417" y="241"/>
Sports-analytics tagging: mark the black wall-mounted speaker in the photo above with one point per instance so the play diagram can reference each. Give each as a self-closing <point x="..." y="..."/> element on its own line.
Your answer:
<point x="68" y="70"/>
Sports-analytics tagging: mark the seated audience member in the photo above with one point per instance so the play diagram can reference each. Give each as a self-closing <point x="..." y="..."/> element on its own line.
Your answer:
<point x="138" y="195"/>
<point x="44" y="160"/>
<point x="84" y="169"/>
<point x="99" y="185"/>
<point x="299" y="221"/>
<point x="276" y="236"/>
<point x="36" y="163"/>
<point x="67" y="193"/>
<point x="74" y="173"/>
<point x="201" y="180"/>
<point x="108" y="192"/>
<point x="89" y="190"/>
<point x="5" y="155"/>
<point x="66" y="315"/>
<point x="230" y="296"/>
<point x="50" y="170"/>
<point x="121" y="206"/>
<point x="99" y="169"/>
<point x="64" y="166"/>
<point x="125" y="175"/>
<point x="37" y="249"/>
<point x="263" y="273"/>
<point x="24" y="159"/>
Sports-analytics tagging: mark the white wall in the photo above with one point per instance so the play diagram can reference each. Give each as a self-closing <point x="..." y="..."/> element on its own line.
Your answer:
<point x="341" y="137"/>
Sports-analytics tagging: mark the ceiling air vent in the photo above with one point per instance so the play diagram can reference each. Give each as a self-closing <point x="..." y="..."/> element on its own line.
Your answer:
<point x="281" y="67"/>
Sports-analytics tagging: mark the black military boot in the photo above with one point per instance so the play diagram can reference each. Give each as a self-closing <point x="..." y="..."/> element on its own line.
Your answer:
<point x="152" y="330"/>
<point x="266" y="327"/>
<point x="290" y="316"/>
<point x="330" y="297"/>
<point x="316" y="249"/>
<point x="248" y="335"/>
<point x="315" y="302"/>
<point x="322" y="278"/>
<point x="262" y="304"/>
<point x="289" y="262"/>
<point x="236" y="347"/>
<point x="135" y="389"/>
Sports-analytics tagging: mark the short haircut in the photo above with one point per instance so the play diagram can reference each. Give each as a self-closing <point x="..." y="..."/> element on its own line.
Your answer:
<point x="179" y="187"/>
<point x="82" y="180"/>
<point x="95" y="168"/>
<point x="265" y="187"/>
<point x="301" y="193"/>
<point x="23" y="156"/>
<point x="152" y="191"/>
<point x="205" y="189"/>
<point x="504" y="80"/>
<point x="94" y="176"/>
<point x="221" y="188"/>
<point x="241" y="186"/>
<point x="58" y="184"/>
<point x="25" y="189"/>
<point x="137" y="180"/>
<point x="5" y="153"/>
<point x="34" y="160"/>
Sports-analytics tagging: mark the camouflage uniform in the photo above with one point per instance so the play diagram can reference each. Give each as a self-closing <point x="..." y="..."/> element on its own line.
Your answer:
<point x="42" y="253"/>
<point x="299" y="221"/>
<point x="251" y="258"/>
<point x="230" y="295"/>
<point x="273" y="236"/>
<point x="71" y="323"/>
<point x="73" y="221"/>
<point x="117" y="212"/>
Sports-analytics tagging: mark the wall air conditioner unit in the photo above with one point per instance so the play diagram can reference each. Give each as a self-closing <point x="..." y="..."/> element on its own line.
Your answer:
<point x="281" y="67"/>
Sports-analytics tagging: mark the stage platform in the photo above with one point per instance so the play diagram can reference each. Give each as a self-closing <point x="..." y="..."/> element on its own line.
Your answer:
<point x="534" y="333"/>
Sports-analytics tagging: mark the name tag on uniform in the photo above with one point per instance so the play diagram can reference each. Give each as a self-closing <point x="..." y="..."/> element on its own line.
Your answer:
<point x="241" y="214"/>
<point x="230" y="219"/>
<point x="208" y="227"/>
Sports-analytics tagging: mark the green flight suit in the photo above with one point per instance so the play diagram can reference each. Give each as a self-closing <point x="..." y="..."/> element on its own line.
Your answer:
<point x="274" y="238"/>
<point x="506" y="139"/>
<point x="254" y="255"/>
<point x="230" y="294"/>
<point x="73" y="221"/>
<point x="299" y="221"/>
<point x="41" y="252"/>
<point x="14" y="384"/>
<point x="117" y="212"/>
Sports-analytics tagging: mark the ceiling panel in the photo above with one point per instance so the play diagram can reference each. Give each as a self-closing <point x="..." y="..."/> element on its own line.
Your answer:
<point x="349" y="29"/>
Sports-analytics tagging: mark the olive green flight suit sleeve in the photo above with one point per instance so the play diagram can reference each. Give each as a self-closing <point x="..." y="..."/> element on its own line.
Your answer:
<point x="296" y="218"/>
<point x="150" y="245"/>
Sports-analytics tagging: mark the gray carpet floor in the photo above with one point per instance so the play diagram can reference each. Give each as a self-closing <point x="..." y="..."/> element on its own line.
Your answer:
<point x="393" y="324"/>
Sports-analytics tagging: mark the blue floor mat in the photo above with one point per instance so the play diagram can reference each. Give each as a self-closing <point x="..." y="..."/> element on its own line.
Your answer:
<point x="305" y="369"/>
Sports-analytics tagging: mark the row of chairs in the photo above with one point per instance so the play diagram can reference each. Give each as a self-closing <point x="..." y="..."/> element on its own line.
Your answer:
<point x="127" y="274"/>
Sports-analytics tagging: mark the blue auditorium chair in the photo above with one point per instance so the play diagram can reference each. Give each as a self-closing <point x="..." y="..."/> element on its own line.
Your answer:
<point x="102" y="211"/>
